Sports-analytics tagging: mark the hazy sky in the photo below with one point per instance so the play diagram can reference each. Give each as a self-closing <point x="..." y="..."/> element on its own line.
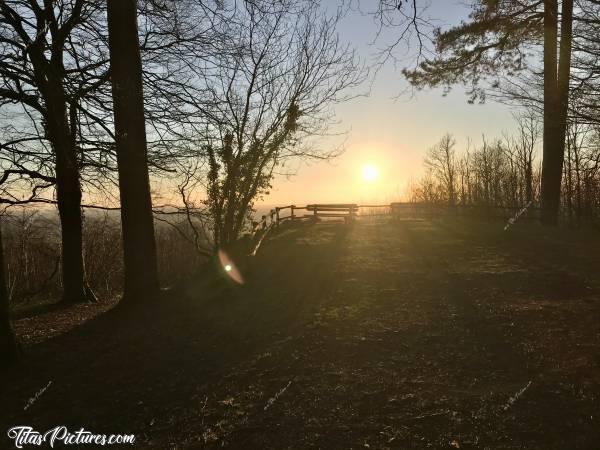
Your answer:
<point x="391" y="133"/>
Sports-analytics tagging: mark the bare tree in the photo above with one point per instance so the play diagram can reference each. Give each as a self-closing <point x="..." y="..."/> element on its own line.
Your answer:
<point x="41" y="76"/>
<point x="441" y="160"/>
<point x="464" y="174"/>
<point x="499" y="173"/>
<point x="521" y="151"/>
<point x="580" y="187"/>
<point x="529" y="132"/>
<point x="270" y="88"/>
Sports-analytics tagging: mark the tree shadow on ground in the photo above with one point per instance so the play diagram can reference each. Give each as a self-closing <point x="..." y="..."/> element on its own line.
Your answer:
<point x="122" y="369"/>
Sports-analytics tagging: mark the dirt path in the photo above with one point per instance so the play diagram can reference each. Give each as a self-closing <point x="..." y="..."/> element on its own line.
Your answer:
<point x="408" y="335"/>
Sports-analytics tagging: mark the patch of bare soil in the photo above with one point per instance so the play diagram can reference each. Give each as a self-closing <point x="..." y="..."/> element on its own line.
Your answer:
<point x="411" y="335"/>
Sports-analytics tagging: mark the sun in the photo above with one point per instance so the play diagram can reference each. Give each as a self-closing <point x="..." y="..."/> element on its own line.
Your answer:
<point x="370" y="172"/>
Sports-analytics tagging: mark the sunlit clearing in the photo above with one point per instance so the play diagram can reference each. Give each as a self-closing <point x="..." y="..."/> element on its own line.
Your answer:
<point x="230" y="268"/>
<point x="370" y="172"/>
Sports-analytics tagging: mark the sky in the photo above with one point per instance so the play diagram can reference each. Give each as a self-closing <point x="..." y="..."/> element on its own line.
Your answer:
<point x="390" y="129"/>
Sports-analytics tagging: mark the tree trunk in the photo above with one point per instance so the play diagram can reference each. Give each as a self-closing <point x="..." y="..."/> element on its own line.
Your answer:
<point x="556" y="98"/>
<point x="139" y="246"/>
<point x="549" y="162"/>
<point x="529" y="181"/>
<point x="68" y="195"/>
<point x="569" y="186"/>
<point x="578" y="181"/>
<point x="9" y="349"/>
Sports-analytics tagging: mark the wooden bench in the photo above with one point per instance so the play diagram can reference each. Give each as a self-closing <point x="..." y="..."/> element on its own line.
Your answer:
<point x="347" y="211"/>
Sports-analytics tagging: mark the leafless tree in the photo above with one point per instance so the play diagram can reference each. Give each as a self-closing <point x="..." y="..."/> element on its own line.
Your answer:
<point x="441" y="160"/>
<point x="581" y="183"/>
<point x="267" y="92"/>
<point x="464" y="175"/>
<point x="521" y="151"/>
<point x="43" y="78"/>
<point x="498" y="173"/>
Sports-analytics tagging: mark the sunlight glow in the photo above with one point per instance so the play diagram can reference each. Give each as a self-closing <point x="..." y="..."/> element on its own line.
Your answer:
<point x="229" y="267"/>
<point x="370" y="172"/>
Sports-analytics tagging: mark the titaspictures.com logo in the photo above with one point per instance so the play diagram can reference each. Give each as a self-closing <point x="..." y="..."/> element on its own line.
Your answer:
<point x="25" y="436"/>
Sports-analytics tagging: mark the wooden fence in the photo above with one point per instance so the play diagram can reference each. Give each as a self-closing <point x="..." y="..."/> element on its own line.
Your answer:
<point x="396" y="210"/>
<point x="349" y="211"/>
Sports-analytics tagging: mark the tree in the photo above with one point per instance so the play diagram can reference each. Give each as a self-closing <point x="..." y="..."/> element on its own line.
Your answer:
<point x="525" y="144"/>
<point x="498" y="174"/>
<point x="8" y="343"/>
<point x="556" y="102"/>
<point x="139" y="247"/>
<point x="441" y="160"/>
<point x="580" y="190"/>
<point x="495" y="42"/>
<point x="268" y="89"/>
<point x="37" y="76"/>
<point x="464" y="175"/>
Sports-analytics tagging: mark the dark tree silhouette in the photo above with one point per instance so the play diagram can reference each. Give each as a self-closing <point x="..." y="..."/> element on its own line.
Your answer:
<point x="9" y="349"/>
<point x="33" y="76"/>
<point x="556" y="102"/>
<point x="139" y="247"/>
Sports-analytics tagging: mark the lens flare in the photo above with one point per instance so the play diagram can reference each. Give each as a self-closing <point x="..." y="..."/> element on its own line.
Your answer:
<point x="229" y="267"/>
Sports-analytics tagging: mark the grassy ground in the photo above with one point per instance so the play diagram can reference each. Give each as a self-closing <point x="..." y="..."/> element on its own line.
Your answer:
<point x="411" y="334"/>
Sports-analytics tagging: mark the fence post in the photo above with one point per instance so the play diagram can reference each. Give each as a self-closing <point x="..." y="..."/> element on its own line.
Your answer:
<point x="264" y="222"/>
<point x="277" y="215"/>
<point x="292" y="210"/>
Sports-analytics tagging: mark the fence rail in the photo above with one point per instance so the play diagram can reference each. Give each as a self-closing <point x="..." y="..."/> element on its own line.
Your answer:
<point x="349" y="211"/>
